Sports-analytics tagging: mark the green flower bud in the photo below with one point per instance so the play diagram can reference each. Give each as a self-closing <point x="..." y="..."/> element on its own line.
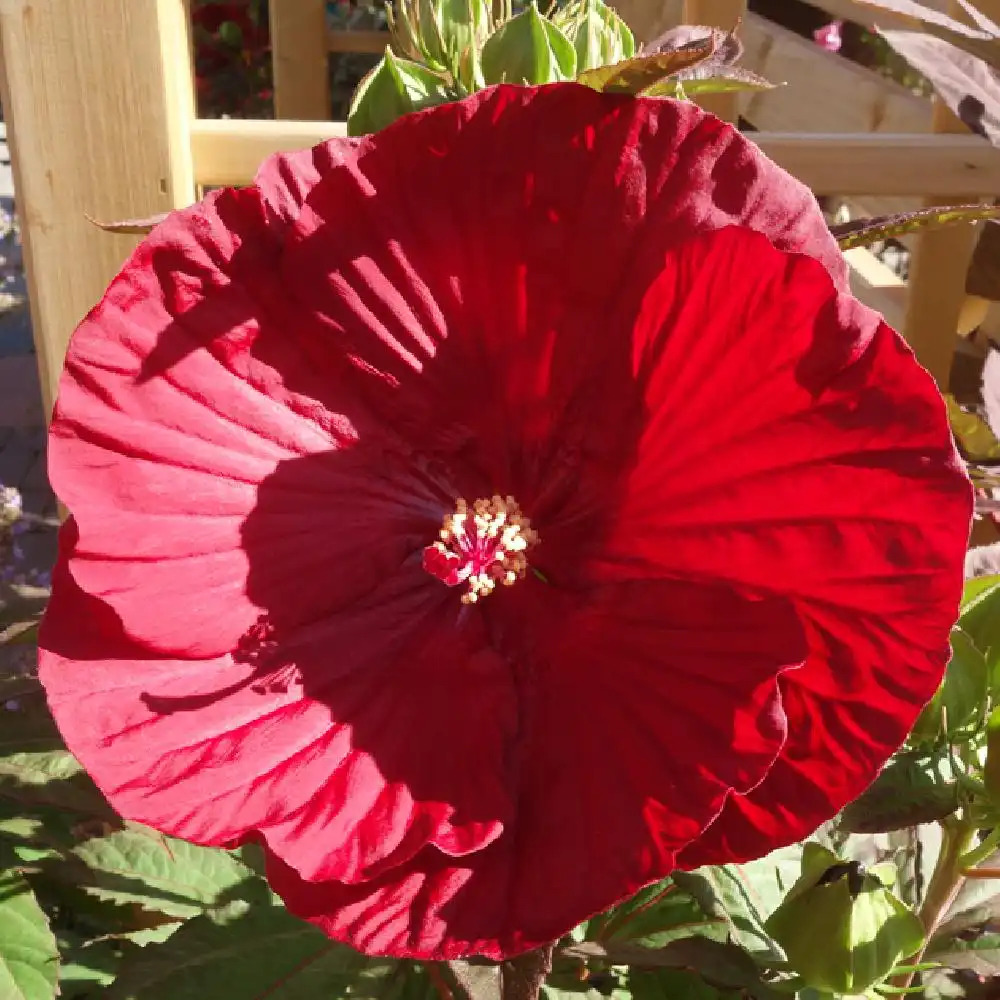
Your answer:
<point x="841" y="928"/>
<point x="528" y="49"/>
<point x="598" y="34"/>
<point x="445" y="34"/>
<point x="394" y="88"/>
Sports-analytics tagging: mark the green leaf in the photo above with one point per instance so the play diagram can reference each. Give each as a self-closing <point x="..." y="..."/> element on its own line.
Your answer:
<point x="864" y="232"/>
<point x="395" y="87"/>
<point x="980" y="955"/>
<point x="654" y="916"/>
<point x="714" y="80"/>
<point x="965" y="686"/>
<point x="53" y="778"/>
<point x="244" y="952"/>
<point x="912" y="789"/>
<point x="528" y="49"/>
<point x="675" y="984"/>
<point x="162" y="874"/>
<point x="725" y="892"/>
<point x="29" y="959"/>
<point x="723" y="965"/>
<point x="85" y="964"/>
<point x="975" y="440"/>
<point x="980" y="621"/>
<point x="638" y="75"/>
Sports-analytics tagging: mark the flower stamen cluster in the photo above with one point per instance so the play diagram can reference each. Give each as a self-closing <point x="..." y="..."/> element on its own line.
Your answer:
<point x="481" y="546"/>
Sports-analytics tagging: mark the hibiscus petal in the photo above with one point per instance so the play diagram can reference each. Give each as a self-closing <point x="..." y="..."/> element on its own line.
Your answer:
<point x="175" y="404"/>
<point x="640" y="712"/>
<point x="482" y="297"/>
<point x="793" y="448"/>
<point x="334" y="753"/>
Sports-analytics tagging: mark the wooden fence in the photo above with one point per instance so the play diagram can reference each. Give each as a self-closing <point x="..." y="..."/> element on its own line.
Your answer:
<point x="99" y="103"/>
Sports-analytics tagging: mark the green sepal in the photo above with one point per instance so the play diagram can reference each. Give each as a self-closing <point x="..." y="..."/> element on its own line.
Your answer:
<point x="598" y="34"/>
<point x="394" y="88"/>
<point x="528" y="49"/>
<point x="843" y="931"/>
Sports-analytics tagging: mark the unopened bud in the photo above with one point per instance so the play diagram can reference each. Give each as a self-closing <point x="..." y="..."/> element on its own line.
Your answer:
<point x="841" y="928"/>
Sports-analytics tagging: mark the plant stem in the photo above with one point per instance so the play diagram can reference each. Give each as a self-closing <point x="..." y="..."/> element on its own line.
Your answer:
<point x="983" y="851"/>
<point x="521" y="978"/>
<point x="946" y="881"/>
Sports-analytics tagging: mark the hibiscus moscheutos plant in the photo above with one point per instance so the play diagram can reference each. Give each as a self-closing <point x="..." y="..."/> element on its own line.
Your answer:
<point x="488" y="555"/>
<point x="447" y="49"/>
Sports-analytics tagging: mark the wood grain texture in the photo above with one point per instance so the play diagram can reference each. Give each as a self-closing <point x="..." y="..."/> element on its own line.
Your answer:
<point x="299" y="48"/>
<point x="98" y="99"/>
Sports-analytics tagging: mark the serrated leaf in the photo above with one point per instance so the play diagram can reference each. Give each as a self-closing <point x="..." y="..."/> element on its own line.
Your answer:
<point x="635" y="76"/>
<point x="726" y="46"/>
<point x="162" y="874"/>
<point x="910" y="790"/>
<point x="29" y="958"/>
<point x="84" y="964"/>
<point x="864" y="232"/>
<point x="244" y="952"/>
<point x="53" y="778"/>
<point x="725" y="892"/>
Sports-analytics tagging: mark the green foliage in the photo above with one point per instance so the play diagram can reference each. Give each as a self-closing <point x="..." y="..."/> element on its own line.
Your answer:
<point x="394" y="88"/>
<point x="528" y="49"/>
<point x="28" y="954"/>
<point x="841" y="928"/>
<point x="598" y="34"/>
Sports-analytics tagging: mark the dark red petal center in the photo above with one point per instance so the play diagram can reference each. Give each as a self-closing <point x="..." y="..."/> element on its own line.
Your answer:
<point x="481" y="546"/>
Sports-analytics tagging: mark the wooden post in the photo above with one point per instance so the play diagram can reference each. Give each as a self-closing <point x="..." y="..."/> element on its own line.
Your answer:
<point x="938" y="269"/>
<point x="717" y="14"/>
<point x="98" y="101"/>
<point x="300" y="51"/>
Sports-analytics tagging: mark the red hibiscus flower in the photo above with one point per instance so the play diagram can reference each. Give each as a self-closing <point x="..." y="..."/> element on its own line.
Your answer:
<point x="491" y="515"/>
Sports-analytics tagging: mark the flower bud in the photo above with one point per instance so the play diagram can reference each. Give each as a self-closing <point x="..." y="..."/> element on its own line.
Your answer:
<point x="394" y="88"/>
<point x="841" y="928"/>
<point x="598" y="34"/>
<point x="444" y="34"/>
<point x="528" y="49"/>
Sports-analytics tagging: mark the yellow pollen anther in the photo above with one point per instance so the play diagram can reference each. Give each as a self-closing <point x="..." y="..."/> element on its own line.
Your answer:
<point x="481" y="546"/>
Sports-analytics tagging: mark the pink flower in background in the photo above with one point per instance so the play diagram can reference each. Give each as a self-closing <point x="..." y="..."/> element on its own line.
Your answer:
<point x="829" y="36"/>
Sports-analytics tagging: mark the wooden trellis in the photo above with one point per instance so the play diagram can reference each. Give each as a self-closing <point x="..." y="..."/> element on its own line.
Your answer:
<point x="98" y="99"/>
